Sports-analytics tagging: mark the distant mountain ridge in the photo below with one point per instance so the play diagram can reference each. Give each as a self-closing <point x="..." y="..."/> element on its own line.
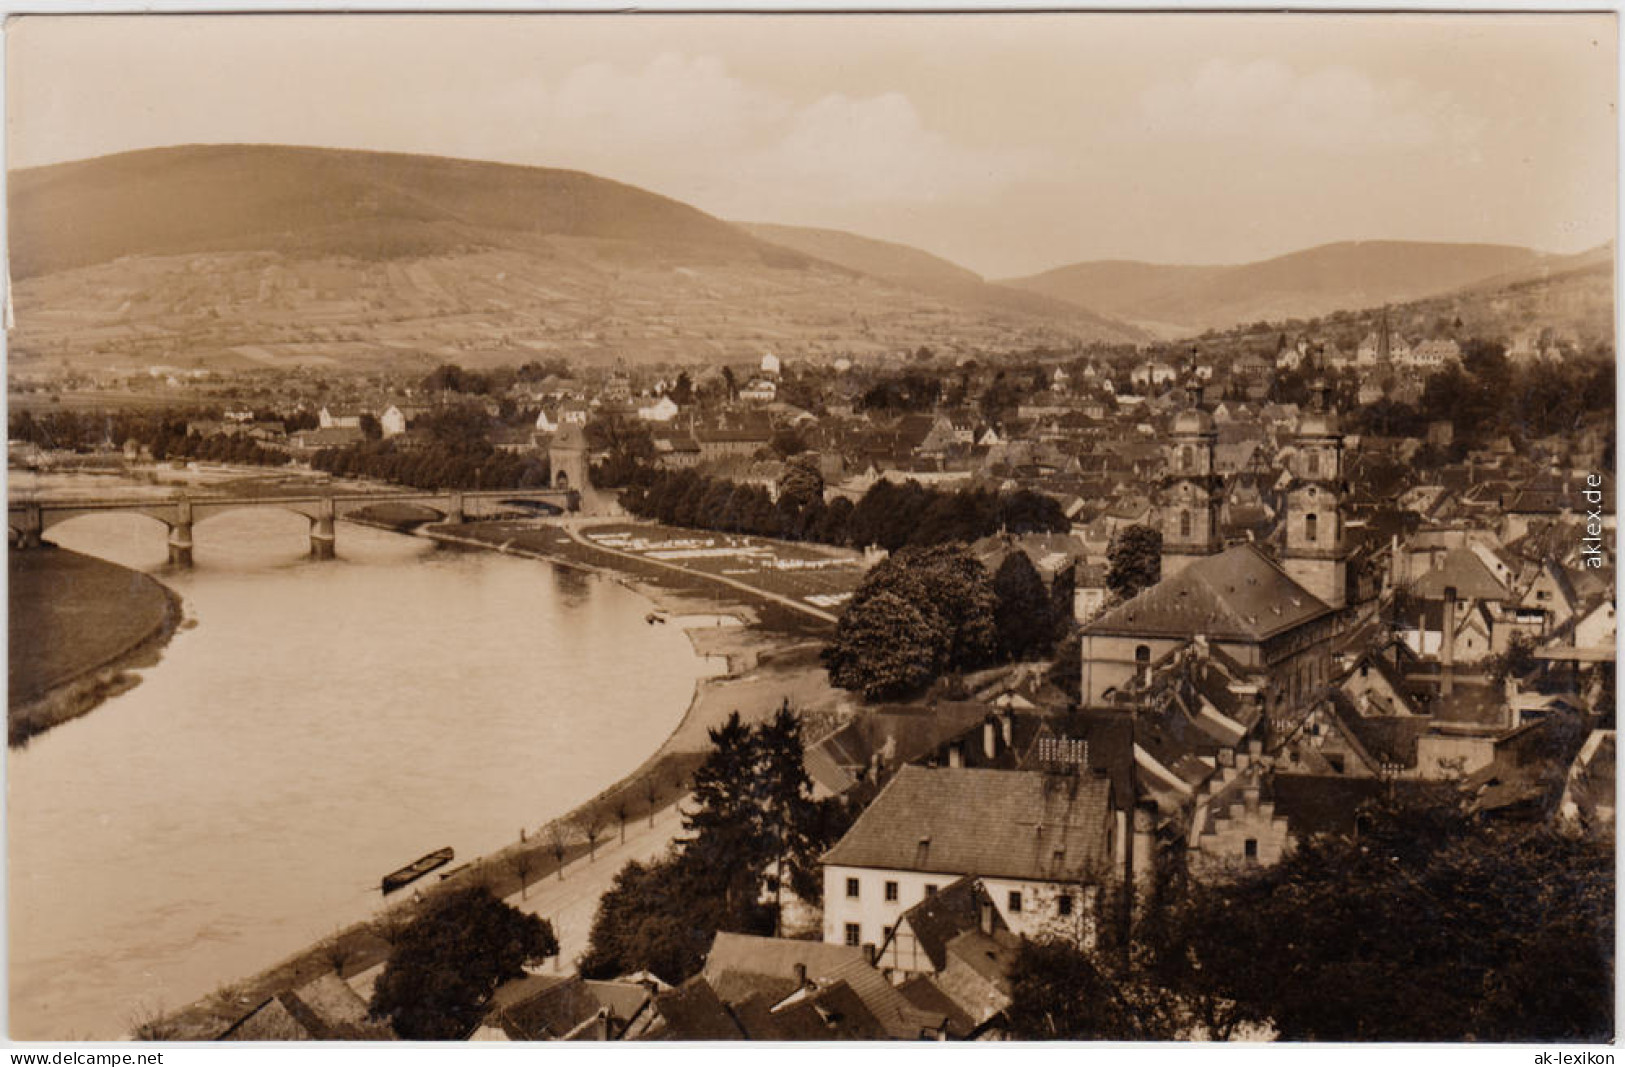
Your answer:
<point x="916" y="269"/>
<point x="215" y="255"/>
<point x="317" y="201"/>
<point x="1316" y="281"/>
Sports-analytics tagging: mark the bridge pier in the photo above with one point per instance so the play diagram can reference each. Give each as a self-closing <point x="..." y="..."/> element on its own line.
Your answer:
<point x="180" y="535"/>
<point x="33" y="527"/>
<point x="323" y="536"/>
<point x="454" y="509"/>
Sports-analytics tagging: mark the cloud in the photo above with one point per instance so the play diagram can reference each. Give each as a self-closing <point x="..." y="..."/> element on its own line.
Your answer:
<point x="1336" y="109"/>
<point x="686" y="126"/>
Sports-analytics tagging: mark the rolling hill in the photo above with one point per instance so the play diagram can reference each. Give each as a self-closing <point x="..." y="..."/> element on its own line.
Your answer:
<point x="923" y="272"/>
<point x="271" y="255"/>
<point x="1176" y="300"/>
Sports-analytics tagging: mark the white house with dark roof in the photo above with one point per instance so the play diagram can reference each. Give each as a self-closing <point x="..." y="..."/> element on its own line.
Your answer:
<point x="1041" y="845"/>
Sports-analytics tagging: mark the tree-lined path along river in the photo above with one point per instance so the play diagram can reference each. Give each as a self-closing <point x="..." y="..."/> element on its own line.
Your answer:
<point x="322" y="724"/>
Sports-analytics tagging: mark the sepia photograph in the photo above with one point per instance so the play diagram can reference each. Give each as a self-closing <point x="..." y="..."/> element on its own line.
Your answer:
<point x="1046" y="526"/>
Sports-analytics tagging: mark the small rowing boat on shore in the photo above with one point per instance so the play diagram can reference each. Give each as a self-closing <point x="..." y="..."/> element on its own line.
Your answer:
<point x="417" y="869"/>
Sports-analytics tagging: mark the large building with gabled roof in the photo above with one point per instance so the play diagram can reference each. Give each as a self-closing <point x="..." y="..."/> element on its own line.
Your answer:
<point x="1041" y="845"/>
<point x="1242" y="604"/>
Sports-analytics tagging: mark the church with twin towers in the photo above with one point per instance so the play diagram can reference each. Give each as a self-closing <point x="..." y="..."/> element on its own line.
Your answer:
<point x="1270" y="608"/>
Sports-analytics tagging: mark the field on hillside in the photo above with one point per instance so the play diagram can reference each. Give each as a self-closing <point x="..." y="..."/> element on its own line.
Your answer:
<point x="577" y="298"/>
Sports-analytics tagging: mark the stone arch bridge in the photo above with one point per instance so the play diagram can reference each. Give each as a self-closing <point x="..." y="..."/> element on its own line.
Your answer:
<point x="28" y="520"/>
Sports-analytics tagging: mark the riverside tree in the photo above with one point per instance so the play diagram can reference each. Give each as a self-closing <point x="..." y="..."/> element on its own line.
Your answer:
<point x="752" y="826"/>
<point x="448" y="961"/>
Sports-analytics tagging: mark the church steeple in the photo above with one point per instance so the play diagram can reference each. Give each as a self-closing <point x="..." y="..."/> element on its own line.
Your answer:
<point x="1190" y="493"/>
<point x="1316" y="550"/>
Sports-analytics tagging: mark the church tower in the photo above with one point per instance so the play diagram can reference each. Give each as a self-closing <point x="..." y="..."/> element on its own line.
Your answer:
<point x="1316" y="552"/>
<point x="1190" y="495"/>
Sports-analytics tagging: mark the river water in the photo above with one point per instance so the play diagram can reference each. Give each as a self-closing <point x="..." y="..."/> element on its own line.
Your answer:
<point x="319" y="726"/>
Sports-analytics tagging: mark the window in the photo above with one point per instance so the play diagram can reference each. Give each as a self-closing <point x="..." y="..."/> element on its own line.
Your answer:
<point x="1063" y="905"/>
<point x="891" y="891"/>
<point x="854" y="936"/>
<point x="1015" y="901"/>
<point x="1142" y="661"/>
<point x="1187" y="457"/>
<point x="852" y="888"/>
<point x="1311" y="526"/>
<point x="1251" y="849"/>
<point x="1184" y="523"/>
<point x="1313" y="459"/>
<point x="930" y="890"/>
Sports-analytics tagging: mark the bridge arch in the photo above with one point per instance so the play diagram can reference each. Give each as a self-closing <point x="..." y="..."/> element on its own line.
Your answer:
<point x="52" y="518"/>
<point x="203" y="511"/>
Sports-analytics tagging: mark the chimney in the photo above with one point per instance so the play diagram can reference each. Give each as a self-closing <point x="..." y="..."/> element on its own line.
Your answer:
<point x="990" y="742"/>
<point x="987" y="917"/>
<point x="1009" y="728"/>
<point x="801" y="976"/>
<point x="956" y="754"/>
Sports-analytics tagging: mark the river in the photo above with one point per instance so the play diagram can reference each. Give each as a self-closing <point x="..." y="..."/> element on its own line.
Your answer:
<point x="320" y="725"/>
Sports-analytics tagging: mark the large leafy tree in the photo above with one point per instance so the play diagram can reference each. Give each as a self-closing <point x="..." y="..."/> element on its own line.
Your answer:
<point x="448" y="961"/>
<point x="751" y="826"/>
<point x="656" y="917"/>
<point x="920" y="613"/>
<point x="1427" y="927"/>
<point x="958" y="588"/>
<point x="802" y="481"/>
<point x="884" y="647"/>
<point x="1023" y="611"/>
<point x="1134" y="560"/>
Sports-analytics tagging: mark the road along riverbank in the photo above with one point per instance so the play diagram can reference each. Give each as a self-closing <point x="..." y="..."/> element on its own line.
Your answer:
<point x="772" y="655"/>
<point x="78" y="626"/>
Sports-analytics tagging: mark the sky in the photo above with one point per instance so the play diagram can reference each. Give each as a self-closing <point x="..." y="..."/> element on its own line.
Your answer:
<point x="1008" y="143"/>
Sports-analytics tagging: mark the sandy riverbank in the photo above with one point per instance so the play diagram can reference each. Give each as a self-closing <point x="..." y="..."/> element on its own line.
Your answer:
<point x="78" y="626"/>
<point x="772" y="655"/>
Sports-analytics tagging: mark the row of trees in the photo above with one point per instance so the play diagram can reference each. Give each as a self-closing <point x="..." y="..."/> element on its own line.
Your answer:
<point x="888" y="515"/>
<point x="753" y="831"/>
<point x="1423" y="926"/>
<point x="434" y="467"/>
<point x="216" y="448"/>
<point x="929" y="611"/>
<point x="161" y="431"/>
